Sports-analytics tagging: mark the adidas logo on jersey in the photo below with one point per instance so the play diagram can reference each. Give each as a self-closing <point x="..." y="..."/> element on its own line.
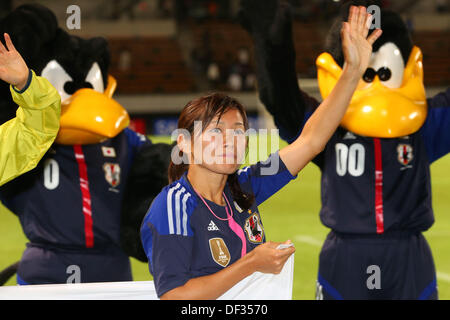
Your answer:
<point x="349" y="135"/>
<point x="212" y="226"/>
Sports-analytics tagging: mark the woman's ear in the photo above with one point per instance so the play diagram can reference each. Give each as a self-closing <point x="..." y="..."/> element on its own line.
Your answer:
<point x="184" y="144"/>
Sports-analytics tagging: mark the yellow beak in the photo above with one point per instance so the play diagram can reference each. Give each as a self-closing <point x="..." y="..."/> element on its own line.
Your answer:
<point x="89" y="117"/>
<point x="376" y="110"/>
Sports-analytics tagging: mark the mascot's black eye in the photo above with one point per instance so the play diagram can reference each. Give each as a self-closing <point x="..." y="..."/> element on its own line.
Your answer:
<point x="369" y="75"/>
<point x="384" y="74"/>
<point x="70" y="87"/>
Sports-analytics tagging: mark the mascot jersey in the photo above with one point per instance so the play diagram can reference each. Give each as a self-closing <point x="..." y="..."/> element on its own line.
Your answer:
<point x="73" y="206"/>
<point x="391" y="175"/>
<point x="375" y="184"/>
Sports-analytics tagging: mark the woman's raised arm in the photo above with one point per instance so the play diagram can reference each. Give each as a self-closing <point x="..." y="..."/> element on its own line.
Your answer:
<point x="323" y="123"/>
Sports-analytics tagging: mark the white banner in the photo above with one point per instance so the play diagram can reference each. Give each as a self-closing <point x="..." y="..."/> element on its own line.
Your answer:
<point x="258" y="286"/>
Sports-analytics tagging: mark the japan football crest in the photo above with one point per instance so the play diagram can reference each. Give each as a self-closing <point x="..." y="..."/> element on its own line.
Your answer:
<point x="404" y="154"/>
<point x="253" y="228"/>
<point x="112" y="173"/>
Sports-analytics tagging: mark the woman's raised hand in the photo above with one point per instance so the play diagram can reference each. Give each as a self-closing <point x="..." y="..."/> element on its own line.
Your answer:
<point x="356" y="45"/>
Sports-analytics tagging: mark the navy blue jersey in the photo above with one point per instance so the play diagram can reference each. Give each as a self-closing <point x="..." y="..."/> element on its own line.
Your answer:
<point x="73" y="199"/>
<point x="373" y="185"/>
<point x="184" y="240"/>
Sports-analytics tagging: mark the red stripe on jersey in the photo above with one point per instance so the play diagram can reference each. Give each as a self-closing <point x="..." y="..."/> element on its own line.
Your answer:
<point x="379" y="215"/>
<point x="86" y="195"/>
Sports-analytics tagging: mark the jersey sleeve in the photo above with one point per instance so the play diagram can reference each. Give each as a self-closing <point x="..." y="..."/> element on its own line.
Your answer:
<point x="136" y="142"/>
<point x="265" y="178"/>
<point x="168" y="248"/>
<point x="27" y="137"/>
<point x="436" y="129"/>
<point x="135" y="139"/>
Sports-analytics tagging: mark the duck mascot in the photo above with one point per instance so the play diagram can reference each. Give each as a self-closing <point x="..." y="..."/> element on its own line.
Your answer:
<point x="81" y="208"/>
<point x="375" y="170"/>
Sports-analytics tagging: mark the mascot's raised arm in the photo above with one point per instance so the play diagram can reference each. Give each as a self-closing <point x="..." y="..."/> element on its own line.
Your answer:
<point x="375" y="168"/>
<point x="82" y="207"/>
<point x="33" y="127"/>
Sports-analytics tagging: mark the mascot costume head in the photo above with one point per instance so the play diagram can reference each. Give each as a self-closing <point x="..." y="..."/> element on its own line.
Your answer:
<point x="390" y="100"/>
<point x="76" y="67"/>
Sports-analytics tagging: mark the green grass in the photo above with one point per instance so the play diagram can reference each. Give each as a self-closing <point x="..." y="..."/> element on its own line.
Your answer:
<point x="291" y="214"/>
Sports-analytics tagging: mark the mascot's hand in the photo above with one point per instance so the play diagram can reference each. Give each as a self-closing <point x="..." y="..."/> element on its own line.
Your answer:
<point x="13" y="68"/>
<point x="269" y="19"/>
<point x="356" y="46"/>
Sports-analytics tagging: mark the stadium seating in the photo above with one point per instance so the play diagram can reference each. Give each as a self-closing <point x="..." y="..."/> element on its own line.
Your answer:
<point x="226" y="38"/>
<point x="435" y="46"/>
<point x="156" y="65"/>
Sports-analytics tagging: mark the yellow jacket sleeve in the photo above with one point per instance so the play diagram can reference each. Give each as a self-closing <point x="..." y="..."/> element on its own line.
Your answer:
<point x="25" y="139"/>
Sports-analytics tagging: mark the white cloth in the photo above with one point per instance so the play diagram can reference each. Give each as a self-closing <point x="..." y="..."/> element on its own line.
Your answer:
<point x="258" y="286"/>
<point x="264" y="286"/>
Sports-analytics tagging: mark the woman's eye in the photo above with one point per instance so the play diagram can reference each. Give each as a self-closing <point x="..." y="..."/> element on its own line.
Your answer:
<point x="239" y="131"/>
<point x="215" y="130"/>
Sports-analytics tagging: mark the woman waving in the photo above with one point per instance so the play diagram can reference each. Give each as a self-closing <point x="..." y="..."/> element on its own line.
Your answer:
<point x="203" y="233"/>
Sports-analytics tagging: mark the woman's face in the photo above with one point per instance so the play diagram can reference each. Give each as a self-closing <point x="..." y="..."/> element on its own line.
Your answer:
<point x="222" y="144"/>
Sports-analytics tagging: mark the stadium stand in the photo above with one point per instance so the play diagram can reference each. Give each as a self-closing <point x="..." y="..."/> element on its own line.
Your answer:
<point x="155" y="65"/>
<point x="435" y="46"/>
<point x="225" y="39"/>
